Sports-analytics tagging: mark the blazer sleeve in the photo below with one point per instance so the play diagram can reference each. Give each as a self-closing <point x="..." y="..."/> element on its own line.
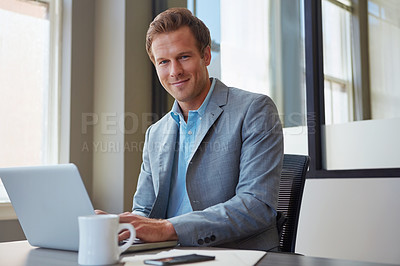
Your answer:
<point x="252" y="209"/>
<point x="144" y="197"/>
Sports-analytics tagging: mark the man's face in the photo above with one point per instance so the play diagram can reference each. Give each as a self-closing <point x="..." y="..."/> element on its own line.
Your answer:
<point x="181" y="69"/>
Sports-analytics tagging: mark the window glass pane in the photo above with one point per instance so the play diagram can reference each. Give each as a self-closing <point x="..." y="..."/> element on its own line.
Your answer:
<point x="384" y="56"/>
<point x="245" y="45"/>
<point x="336" y="22"/>
<point x="24" y="85"/>
<point x="209" y="12"/>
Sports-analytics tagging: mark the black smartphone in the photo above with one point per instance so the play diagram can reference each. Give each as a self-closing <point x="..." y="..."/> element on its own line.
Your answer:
<point x="179" y="259"/>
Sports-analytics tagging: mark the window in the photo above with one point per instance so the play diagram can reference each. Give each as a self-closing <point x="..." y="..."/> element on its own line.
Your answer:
<point x="361" y="59"/>
<point x="353" y="148"/>
<point x="29" y="49"/>
<point x="259" y="46"/>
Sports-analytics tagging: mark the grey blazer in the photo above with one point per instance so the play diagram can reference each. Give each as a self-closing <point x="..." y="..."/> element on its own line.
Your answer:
<point x="232" y="178"/>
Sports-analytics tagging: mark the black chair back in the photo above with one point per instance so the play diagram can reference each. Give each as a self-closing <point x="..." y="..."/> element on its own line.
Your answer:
<point x="290" y="194"/>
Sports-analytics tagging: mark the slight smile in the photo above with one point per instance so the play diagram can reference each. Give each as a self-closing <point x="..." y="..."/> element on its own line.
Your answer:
<point x="179" y="83"/>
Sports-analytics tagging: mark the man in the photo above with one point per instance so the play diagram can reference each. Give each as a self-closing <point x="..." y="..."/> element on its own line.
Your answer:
<point x="211" y="167"/>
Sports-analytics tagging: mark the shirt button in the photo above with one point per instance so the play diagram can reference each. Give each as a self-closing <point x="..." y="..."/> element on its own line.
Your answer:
<point x="190" y="132"/>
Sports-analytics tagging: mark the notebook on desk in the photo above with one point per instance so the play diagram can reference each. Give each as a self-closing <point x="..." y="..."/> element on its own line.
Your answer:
<point x="48" y="201"/>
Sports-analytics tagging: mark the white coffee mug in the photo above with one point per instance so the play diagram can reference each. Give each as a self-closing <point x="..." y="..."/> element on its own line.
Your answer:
<point x="98" y="239"/>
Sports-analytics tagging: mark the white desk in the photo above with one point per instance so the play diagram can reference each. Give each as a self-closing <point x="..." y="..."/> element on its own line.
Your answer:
<point x="20" y="253"/>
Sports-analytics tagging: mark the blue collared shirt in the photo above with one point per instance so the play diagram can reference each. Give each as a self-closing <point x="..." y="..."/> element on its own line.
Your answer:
<point x="178" y="202"/>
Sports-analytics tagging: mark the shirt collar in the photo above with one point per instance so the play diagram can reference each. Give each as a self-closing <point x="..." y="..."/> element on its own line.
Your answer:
<point x="203" y="106"/>
<point x="176" y="112"/>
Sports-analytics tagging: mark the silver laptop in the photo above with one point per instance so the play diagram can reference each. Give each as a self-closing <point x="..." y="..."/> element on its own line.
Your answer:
<point x="48" y="201"/>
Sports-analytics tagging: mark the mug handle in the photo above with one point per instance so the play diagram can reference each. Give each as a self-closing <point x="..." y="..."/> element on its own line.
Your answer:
<point x="131" y="238"/>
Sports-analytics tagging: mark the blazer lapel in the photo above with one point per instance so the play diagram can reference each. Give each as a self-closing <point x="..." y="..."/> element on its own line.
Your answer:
<point x="166" y="147"/>
<point x="213" y="111"/>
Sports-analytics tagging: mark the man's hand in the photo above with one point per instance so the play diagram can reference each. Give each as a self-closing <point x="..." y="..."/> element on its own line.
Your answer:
<point x="100" y="212"/>
<point x="147" y="229"/>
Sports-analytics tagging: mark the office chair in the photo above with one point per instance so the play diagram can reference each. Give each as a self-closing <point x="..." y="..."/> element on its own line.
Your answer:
<point x="290" y="194"/>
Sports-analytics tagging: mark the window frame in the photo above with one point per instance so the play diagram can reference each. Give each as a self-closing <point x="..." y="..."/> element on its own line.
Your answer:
<point x="55" y="17"/>
<point x="160" y="103"/>
<point x="315" y="101"/>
